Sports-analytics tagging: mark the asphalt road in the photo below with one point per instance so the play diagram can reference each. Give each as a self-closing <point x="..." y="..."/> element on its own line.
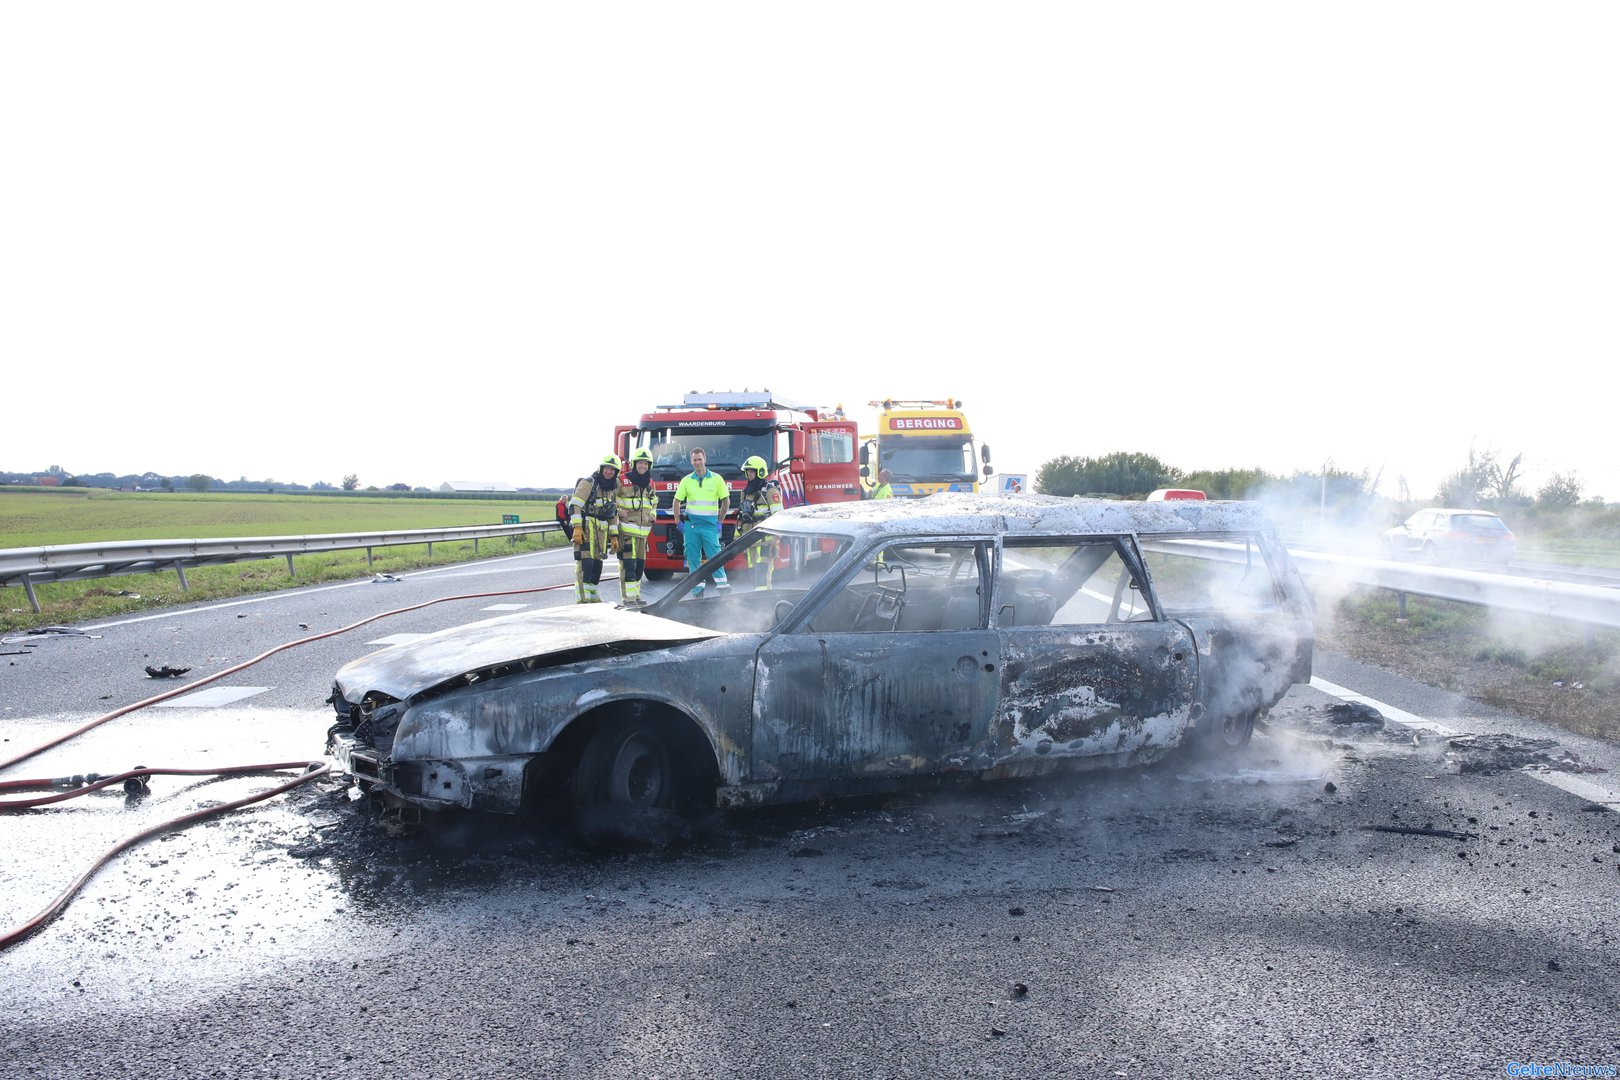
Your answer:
<point x="1177" y="920"/>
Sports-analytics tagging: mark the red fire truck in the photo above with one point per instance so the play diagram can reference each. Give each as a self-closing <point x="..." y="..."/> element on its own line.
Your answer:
<point x="811" y="454"/>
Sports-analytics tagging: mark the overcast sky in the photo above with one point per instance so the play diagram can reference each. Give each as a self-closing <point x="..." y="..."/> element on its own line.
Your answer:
<point x="428" y="242"/>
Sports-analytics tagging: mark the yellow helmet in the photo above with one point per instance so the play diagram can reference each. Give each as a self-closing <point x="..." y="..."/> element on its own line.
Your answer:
<point x="613" y="460"/>
<point x="755" y="462"/>
<point x="641" y="454"/>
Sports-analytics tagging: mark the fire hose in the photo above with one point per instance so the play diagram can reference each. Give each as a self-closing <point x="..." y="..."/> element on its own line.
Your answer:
<point x="134" y="780"/>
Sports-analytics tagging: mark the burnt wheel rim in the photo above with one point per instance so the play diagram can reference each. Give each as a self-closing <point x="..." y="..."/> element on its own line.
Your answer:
<point x="639" y="774"/>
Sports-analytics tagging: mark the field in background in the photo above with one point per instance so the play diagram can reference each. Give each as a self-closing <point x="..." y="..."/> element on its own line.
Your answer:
<point x="44" y="517"/>
<point x="76" y="516"/>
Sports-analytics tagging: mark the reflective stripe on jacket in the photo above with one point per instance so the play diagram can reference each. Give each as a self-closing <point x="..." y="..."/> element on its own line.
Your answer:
<point x="707" y="497"/>
<point x="637" y="508"/>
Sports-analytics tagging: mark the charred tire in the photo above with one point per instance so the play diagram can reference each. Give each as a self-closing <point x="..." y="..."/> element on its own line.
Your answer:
<point x="1222" y="736"/>
<point x="626" y="764"/>
<point x="658" y="575"/>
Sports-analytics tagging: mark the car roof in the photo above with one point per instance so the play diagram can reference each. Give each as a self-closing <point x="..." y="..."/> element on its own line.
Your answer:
<point x="967" y="513"/>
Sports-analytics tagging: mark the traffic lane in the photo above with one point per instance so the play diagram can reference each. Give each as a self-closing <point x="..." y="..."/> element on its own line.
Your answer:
<point x="103" y="668"/>
<point x="1167" y="916"/>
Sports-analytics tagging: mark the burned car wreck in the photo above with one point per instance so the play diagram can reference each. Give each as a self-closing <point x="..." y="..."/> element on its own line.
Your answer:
<point x="861" y="647"/>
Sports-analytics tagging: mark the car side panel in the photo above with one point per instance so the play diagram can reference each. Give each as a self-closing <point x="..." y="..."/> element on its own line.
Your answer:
<point x="849" y="706"/>
<point x="1079" y="691"/>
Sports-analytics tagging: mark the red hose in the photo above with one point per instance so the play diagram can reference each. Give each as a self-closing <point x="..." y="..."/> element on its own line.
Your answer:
<point x="312" y="769"/>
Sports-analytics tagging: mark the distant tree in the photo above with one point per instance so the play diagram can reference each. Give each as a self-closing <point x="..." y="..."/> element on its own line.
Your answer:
<point x="1483" y="479"/>
<point x="1228" y="483"/>
<point x="1564" y="489"/>
<point x="199" y="482"/>
<point x="56" y="471"/>
<point x="321" y="485"/>
<point x="1119" y="473"/>
<point x="167" y="483"/>
<point x="350" y="482"/>
<point x="399" y="487"/>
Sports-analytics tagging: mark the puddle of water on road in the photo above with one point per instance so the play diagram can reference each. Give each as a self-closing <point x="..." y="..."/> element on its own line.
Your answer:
<point x="224" y="887"/>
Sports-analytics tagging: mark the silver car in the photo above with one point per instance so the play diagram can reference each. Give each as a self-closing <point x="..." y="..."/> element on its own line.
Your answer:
<point x="859" y="648"/>
<point x="1453" y="536"/>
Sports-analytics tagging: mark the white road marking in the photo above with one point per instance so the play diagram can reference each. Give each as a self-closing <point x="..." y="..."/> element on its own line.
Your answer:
<point x="1575" y="785"/>
<point x="267" y="598"/>
<point x="211" y="698"/>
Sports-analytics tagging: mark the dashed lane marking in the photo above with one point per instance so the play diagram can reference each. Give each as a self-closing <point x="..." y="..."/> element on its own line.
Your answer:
<point x="211" y="698"/>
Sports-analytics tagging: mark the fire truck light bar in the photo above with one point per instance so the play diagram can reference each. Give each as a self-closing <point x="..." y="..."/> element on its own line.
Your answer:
<point x="731" y="399"/>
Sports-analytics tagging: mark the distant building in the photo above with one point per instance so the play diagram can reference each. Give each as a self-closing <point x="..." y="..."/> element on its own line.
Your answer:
<point x="48" y="481"/>
<point x="478" y="486"/>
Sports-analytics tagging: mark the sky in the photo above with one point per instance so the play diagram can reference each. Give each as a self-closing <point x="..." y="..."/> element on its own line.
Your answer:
<point x="422" y="242"/>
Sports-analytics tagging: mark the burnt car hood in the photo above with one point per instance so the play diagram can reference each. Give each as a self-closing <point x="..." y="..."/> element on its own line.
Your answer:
<point x="409" y="668"/>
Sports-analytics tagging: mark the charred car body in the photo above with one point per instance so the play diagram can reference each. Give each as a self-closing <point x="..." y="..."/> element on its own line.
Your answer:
<point x="862" y="647"/>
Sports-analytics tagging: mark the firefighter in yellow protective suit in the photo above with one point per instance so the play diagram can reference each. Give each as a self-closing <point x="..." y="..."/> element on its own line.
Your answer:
<point x="760" y="498"/>
<point x="638" y="506"/>
<point x="593" y="515"/>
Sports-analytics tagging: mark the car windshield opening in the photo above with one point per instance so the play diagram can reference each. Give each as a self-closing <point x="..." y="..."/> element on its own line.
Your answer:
<point x="1212" y="572"/>
<point x="766" y="575"/>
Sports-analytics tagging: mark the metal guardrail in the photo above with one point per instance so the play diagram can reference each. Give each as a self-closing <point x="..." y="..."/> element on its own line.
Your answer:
<point x="73" y="562"/>
<point x="1592" y="605"/>
<point x="1589" y="604"/>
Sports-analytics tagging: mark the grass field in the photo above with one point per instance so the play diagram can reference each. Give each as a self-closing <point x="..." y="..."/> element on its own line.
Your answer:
<point x="43" y="517"/>
<point x="50" y="518"/>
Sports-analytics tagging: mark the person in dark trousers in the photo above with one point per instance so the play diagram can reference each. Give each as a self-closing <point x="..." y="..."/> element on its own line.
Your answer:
<point x="593" y="517"/>
<point x="638" y="505"/>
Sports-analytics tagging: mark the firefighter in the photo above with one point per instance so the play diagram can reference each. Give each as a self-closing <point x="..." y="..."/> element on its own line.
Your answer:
<point x="638" y="505"/>
<point x="761" y="497"/>
<point x="700" y="506"/>
<point x="593" y="515"/>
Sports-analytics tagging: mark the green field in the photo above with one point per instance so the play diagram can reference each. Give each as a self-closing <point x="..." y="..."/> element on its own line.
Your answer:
<point x="78" y="516"/>
<point x="43" y="517"/>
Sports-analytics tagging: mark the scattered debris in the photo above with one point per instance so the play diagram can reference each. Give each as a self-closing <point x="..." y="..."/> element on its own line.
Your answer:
<point x="1355" y="712"/>
<point x="380" y="578"/>
<point x="1330" y="787"/>
<point x="303" y="626"/>
<point x="40" y="633"/>
<point x="1287" y="841"/>
<point x="1505" y="753"/>
<point x="1019" y="989"/>
<point x="1444" y="834"/>
<point x="1254" y="776"/>
<point x="1099" y="888"/>
<point x="636" y="828"/>
<point x="164" y="671"/>
<point x="1554" y="965"/>
<point x="996" y="1033"/>
<point x="1015" y="911"/>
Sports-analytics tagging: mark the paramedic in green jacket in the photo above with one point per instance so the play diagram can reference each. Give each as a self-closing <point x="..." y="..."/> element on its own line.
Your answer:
<point x="700" y="506"/>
